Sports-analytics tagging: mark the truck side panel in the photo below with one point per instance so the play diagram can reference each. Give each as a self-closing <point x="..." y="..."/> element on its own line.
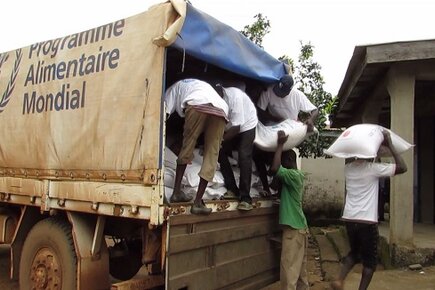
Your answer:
<point x="227" y="250"/>
<point x="130" y="200"/>
<point x="86" y="106"/>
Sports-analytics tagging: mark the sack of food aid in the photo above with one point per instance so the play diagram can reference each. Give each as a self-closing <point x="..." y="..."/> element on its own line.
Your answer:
<point x="364" y="141"/>
<point x="266" y="136"/>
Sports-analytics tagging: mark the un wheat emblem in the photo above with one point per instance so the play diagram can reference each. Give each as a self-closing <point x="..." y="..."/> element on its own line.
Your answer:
<point x="11" y="84"/>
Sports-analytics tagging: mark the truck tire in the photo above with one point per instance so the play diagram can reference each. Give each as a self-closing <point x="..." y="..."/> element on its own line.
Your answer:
<point x="48" y="259"/>
<point x="124" y="267"/>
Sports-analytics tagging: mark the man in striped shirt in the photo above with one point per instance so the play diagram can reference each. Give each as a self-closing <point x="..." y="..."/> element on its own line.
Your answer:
<point x="204" y="112"/>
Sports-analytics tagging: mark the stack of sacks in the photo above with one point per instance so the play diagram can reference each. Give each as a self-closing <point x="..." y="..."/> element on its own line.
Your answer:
<point x="190" y="179"/>
<point x="364" y="141"/>
<point x="266" y="136"/>
<point x="215" y="189"/>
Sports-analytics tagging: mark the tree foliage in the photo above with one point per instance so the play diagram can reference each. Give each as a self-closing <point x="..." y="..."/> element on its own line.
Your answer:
<point x="257" y="30"/>
<point x="309" y="79"/>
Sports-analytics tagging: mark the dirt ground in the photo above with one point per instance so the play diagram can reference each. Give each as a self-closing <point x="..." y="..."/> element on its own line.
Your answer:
<point x="314" y="270"/>
<point x="397" y="279"/>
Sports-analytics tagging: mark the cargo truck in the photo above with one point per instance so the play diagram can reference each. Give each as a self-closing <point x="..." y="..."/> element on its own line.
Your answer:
<point x="82" y="149"/>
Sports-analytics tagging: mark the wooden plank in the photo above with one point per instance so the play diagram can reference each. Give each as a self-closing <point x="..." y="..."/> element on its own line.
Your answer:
<point x="255" y="282"/>
<point x="23" y="186"/>
<point x="104" y="192"/>
<point x="214" y="225"/>
<point x="264" y="208"/>
<point x="222" y="252"/>
<point x="232" y="251"/>
<point x="247" y="267"/>
<point x="203" y="278"/>
<point x="203" y="239"/>
<point x="189" y="261"/>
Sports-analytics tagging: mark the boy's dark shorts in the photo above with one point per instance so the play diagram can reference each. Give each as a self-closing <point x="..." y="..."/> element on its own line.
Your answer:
<point x="363" y="240"/>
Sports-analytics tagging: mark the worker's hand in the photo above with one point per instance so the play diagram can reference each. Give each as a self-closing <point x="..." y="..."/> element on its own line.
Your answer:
<point x="310" y="125"/>
<point x="282" y="137"/>
<point x="387" y="138"/>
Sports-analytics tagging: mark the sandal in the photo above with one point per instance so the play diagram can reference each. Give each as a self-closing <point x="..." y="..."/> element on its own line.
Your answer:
<point x="180" y="197"/>
<point x="200" y="209"/>
<point x="245" y="206"/>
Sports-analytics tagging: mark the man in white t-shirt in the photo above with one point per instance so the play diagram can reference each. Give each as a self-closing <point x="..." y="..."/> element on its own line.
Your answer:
<point x="279" y="102"/>
<point x="282" y="101"/>
<point x="205" y="112"/>
<point x="239" y="133"/>
<point x="361" y="212"/>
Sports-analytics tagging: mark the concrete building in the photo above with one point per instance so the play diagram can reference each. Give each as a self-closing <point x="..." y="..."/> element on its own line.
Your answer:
<point x="324" y="186"/>
<point x="393" y="85"/>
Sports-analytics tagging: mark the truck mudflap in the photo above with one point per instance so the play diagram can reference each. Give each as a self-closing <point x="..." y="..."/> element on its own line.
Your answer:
<point x="225" y="250"/>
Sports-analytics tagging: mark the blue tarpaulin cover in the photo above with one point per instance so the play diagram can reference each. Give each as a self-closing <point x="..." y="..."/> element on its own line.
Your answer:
<point x="214" y="42"/>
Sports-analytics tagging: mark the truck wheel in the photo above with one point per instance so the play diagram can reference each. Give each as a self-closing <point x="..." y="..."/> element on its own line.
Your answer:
<point x="125" y="266"/>
<point x="48" y="259"/>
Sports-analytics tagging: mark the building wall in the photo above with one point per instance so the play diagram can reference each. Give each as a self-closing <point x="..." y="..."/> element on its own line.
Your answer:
<point x="324" y="186"/>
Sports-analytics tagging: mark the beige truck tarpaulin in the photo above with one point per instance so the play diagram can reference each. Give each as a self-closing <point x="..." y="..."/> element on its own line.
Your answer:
<point x="88" y="105"/>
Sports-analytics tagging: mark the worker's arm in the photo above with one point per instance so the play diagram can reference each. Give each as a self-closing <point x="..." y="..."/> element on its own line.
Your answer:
<point x="282" y="138"/>
<point x="310" y="121"/>
<point x="231" y="133"/>
<point x="400" y="163"/>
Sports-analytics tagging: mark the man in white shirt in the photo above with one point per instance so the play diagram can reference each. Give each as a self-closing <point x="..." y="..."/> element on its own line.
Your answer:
<point x="239" y="133"/>
<point x="204" y="112"/>
<point x="361" y="212"/>
<point x="279" y="102"/>
<point x="282" y="101"/>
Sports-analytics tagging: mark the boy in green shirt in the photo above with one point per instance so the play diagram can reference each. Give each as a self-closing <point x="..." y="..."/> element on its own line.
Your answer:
<point x="293" y="267"/>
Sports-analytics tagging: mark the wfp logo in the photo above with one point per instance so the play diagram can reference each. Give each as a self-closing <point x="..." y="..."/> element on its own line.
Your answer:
<point x="6" y="96"/>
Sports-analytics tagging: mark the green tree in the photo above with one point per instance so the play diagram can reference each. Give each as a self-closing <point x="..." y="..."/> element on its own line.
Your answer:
<point x="257" y="30"/>
<point x="310" y="81"/>
<point x="288" y="61"/>
<point x="308" y="78"/>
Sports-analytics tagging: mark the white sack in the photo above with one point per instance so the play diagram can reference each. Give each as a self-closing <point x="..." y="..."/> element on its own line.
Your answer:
<point x="363" y="141"/>
<point x="190" y="181"/>
<point x="170" y="159"/>
<point x="266" y="136"/>
<point x="169" y="177"/>
<point x="192" y="177"/>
